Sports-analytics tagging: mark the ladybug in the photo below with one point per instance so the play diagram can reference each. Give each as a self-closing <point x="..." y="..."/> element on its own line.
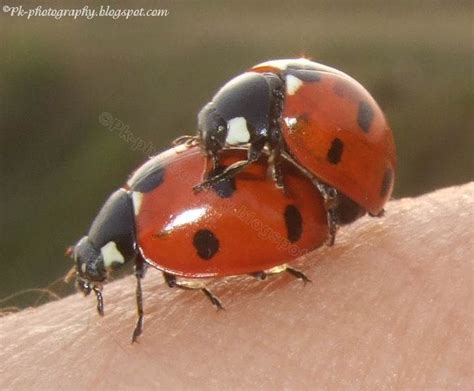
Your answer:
<point x="319" y="118"/>
<point x="242" y="225"/>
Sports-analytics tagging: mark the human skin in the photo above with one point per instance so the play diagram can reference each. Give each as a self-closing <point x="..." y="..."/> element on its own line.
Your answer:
<point x="390" y="307"/>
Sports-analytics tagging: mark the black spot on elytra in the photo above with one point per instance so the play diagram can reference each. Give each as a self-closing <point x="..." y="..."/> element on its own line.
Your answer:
<point x="293" y="222"/>
<point x="365" y="115"/>
<point x="306" y="75"/>
<point x="206" y="244"/>
<point x="224" y="188"/>
<point x="386" y="182"/>
<point x="147" y="178"/>
<point x="335" y="151"/>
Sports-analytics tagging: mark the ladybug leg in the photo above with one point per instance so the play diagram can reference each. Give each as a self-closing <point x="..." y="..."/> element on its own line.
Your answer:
<point x="213" y="298"/>
<point x="211" y="165"/>
<point x="100" y="299"/>
<point x="275" y="146"/>
<point x="254" y="153"/>
<point x="277" y="173"/>
<point x="173" y="282"/>
<point x="140" y="269"/>
<point x="298" y="274"/>
<point x="86" y="288"/>
<point x="330" y="197"/>
<point x="262" y="275"/>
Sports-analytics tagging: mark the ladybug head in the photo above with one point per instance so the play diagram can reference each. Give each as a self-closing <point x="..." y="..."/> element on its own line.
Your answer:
<point x="89" y="263"/>
<point x="109" y="244"/>
<point x="212" y="130"/>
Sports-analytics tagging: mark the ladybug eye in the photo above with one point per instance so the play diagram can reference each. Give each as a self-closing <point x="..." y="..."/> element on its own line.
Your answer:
<point x="220" y="129"/>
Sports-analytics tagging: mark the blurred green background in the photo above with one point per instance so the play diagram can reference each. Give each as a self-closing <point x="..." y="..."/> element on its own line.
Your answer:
<point x="59" y="162"/>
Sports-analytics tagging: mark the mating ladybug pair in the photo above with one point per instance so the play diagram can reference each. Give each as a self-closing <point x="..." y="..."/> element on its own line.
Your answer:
<point x="318" y="132"/>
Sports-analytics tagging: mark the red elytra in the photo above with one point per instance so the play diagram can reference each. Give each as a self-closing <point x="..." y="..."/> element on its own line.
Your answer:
<point x="242" y="225"/>
<point x="334" y="128"/>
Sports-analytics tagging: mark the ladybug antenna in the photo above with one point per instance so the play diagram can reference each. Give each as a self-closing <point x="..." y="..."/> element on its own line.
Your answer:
<point x="72" y="272"/>
<point x="70" y="275"/>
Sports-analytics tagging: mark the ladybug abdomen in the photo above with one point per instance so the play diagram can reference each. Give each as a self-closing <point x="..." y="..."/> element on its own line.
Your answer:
<point x="242" y="225"/>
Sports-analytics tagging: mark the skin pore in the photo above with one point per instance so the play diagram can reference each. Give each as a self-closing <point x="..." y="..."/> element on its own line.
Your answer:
<point x="390" y="306"/>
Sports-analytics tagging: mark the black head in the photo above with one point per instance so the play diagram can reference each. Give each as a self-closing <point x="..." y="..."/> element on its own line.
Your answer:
<point x="90" y="269"/>
<point x="212" y="129"/>
<point x="88" y="260"/>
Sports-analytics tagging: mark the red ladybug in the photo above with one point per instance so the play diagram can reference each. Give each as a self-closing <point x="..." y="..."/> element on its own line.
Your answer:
<point x="242" y="225"/>
<point x="319" y="117"/>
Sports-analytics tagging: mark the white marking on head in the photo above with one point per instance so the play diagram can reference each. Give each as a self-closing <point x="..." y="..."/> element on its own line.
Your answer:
<point x="83" y="268"/>
<point x="137" y="199"/>
<point x="292" y="84"/>
<point x="111" y="254"/>
<point x="238" y="132"/>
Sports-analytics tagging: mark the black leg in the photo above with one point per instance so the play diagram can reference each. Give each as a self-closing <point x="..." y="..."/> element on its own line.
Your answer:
<point x="298" y="274"/>
<point x="214" y="162"/>
<point x="86" y="288"/>
<point x="229" y="172"/>
<point x="100" y="300"/>
<point x="262" y="275"/>
<point x="137" y="331"/>
<point x="211" y="166"/>
<point x="213" y="298"/>
<point x="332" y="226"/>
<point x="330" y="197"/>
<point x="330" y="204"/>
<point x="140" y="268"/>
<point x="173" y="282"/>
<point x="277" y="173"/>
<point x="253" y="154"/>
